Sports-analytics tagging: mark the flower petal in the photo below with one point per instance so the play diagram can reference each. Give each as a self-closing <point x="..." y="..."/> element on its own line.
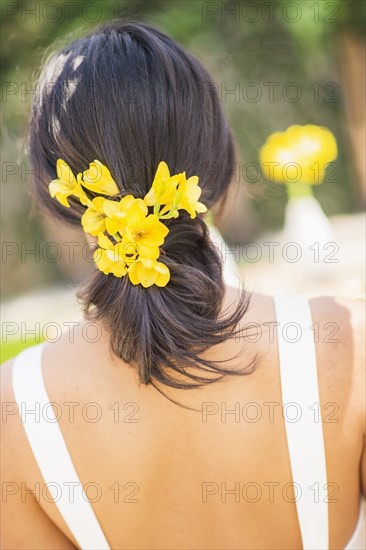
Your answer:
<point x="65" y="174"/>
<point x="97" y="178"/>
<point x="93" y="219"/>
<point x="62" y="199"/>
<point x="163" y="274"/>
<point x="132" y="274"/>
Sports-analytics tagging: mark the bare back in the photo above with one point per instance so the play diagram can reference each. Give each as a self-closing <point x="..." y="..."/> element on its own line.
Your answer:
<point x="164" y="476"/>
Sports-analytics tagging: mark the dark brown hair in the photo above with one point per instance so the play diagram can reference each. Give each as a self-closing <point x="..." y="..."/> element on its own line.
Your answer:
<point x="129" y="96"/>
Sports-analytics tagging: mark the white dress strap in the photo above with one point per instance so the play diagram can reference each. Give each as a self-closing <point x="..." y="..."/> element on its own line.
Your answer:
<point x="50" y="450"/>
<point x="304" y="429"/>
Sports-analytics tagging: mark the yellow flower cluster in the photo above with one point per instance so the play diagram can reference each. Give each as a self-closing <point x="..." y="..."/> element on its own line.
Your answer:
<point x="298" y="155"/>
<point x="128" y="235"/>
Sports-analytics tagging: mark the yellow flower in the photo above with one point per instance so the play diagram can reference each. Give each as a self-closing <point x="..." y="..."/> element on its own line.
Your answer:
<point x="300" y="154"/>
<point x="148" y="272"/>
<point x="188" y="194"/>
<point x="66" y="185"/>
<point x="99" y="179"/>
<point x="137" y="235"/>
<point x="148" y="233"/>
<point x="174" y="193"/>
<point x="110" y="258"/>
<point x="119" y="213"/>
<point x="93" y="219"/>
<point x="163" y="187"/>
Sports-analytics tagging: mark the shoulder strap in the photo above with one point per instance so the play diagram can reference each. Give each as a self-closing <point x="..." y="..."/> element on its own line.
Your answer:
<point x="304" y="429"/>
<point x="50" y="450"/>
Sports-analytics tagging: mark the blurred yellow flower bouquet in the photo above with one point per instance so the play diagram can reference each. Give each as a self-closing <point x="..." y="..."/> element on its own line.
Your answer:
<point x="128" y="235"/>
<point x="298" y="158"/>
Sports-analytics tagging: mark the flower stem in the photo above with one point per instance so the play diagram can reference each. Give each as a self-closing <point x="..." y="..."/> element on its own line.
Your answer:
<point x="297" y="190"/>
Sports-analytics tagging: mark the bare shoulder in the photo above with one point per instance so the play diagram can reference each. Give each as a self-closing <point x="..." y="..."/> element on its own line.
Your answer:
<point x="10" y="427"/>
<point x="19" y="471"/>
<point x="341" y="321"/>
<point x="339" y="331"/>
<point x="16" y="457"/>
<point x="349" y="312"/>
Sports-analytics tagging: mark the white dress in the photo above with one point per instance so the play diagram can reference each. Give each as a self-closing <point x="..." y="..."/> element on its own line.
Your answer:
<point x="305" y="440"/>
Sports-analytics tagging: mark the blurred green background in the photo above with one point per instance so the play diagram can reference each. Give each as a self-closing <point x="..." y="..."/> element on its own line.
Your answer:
<point x="275" y="64"/>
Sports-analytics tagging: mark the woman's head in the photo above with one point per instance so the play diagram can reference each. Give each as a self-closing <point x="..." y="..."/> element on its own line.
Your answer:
<point x="129" y="96"/>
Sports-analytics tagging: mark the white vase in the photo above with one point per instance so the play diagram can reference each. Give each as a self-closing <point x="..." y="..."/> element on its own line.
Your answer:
<point x="309" y="229"/>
